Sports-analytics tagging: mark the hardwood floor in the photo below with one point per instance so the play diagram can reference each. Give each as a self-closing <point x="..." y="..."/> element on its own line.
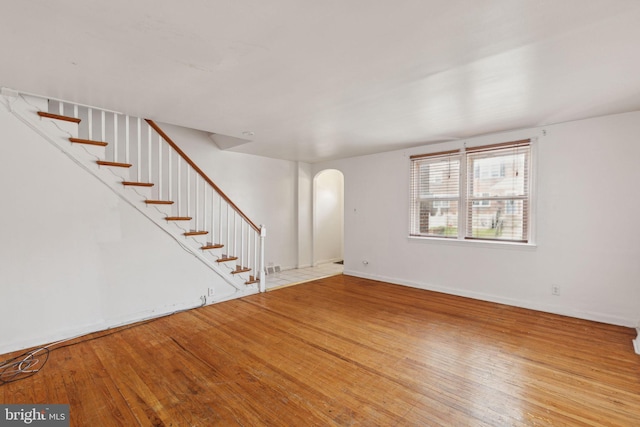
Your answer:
<point x="346" y="351"/>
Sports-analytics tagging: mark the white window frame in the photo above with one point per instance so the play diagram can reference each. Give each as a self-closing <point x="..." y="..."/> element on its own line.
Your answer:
<point x="463" y="201"/>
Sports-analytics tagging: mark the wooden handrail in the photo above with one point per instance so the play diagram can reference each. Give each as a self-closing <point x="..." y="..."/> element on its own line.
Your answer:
<point x="201" y="173"/>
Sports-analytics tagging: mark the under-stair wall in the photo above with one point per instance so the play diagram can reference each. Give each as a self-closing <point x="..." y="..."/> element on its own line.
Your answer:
<point x="264" y="187"/>
<point x="77" y="257"/>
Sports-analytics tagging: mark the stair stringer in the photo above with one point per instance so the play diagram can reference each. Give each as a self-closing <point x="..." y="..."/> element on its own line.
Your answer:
<point x="25" y="109"/>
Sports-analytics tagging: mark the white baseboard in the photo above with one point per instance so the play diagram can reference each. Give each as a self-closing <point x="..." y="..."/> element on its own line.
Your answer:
<point x="116" y="322"/>
<point x="327" y="261"/>
<point x="547" y="308"/>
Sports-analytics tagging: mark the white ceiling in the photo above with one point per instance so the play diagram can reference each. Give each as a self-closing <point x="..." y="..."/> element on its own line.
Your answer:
<point x="318" y="80"/>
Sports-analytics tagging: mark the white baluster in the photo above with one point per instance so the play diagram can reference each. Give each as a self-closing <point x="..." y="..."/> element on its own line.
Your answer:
<point x="197" y="197"/>
<point x="170" y="173"/>
<point x="60" y="108"/>
<point x="235" y="233"/>
<point x="115" y="137"/>
<point x="263" y="282"/>
<point x="204" y="203"/>
<point x="90" y="122"/>
<point x="103" y="126"/>
<point x="188" y="190"/>
<point x="242" y="244"/>
<point x="228" y="229"/>
<point x="179" y="186"/>
<point x="249" y="259"/>
<point x="139" y="147"/>
<point x="159" y="167"/>
<point x="126" y="139"/>
<point x="149" y="155"/>
<point x="220" y="219"/>
<point x="248" y="246"/>
<point x="213" y="223"/>
<point x="75" y="111"/>
<point x="256" y="272"/>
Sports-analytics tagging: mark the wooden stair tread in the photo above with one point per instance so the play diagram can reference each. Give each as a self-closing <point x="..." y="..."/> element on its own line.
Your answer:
<point x="212" y="246"/>
<point x="195" y="233"/>
<point x="138" y="184"/>
<point x="225" y="259"/>
<point x="178" y="218"/>
<point x="239" y="270"/>
<point x="115" y="164"/>
<point x="159" y="202"/>
<point x="88" y="142"/>
<point x="58" y="117"/>
<point x="251" y="281"/>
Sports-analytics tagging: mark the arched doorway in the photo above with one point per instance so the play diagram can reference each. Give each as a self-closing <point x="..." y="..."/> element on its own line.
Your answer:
<point x="328" y="216"/>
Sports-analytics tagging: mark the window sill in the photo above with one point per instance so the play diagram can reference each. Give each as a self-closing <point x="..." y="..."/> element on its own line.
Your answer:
<point x="492" y="244"/>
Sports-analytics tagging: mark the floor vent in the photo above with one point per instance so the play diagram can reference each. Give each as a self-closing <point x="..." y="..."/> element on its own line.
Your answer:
<point x="272" y="269"/>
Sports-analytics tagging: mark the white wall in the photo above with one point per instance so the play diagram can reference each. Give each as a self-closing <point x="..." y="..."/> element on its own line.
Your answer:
<point x="263" y="188"/>
<point x="586" y="170"/>
<point x="328" y="214"/>
<point x="75" y="258"/>
<point x="304" y="204"/>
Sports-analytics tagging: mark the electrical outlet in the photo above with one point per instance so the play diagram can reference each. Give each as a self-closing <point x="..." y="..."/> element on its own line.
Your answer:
<point x="555" y="290"/>
<point x="210" y="292"/>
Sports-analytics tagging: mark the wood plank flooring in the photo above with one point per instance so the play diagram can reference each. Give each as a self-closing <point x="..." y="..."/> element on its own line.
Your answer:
<point x="350" y="352"/>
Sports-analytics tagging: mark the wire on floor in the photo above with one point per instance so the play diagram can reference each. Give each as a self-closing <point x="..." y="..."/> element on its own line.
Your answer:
<point x="31" y="362"/>
<point x="24" y="365"/>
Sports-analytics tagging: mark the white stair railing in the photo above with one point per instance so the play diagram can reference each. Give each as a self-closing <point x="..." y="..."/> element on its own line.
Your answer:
<point x="190" y="198"/>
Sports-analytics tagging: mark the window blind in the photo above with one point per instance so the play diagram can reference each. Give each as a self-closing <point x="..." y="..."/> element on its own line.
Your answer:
<point x="435" y="194"/>
<point x="498" y="191"/>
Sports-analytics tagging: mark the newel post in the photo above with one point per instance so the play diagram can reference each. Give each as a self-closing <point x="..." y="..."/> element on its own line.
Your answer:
<point x="263" y="279"/>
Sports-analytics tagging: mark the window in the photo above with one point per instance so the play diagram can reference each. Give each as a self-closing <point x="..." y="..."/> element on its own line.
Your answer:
<point x="435" y="186"/>
<point x="480" y="193"/>
<point x="484" y="202"/>
<point x="493" y="168"/>
<point x="441" y="204"/>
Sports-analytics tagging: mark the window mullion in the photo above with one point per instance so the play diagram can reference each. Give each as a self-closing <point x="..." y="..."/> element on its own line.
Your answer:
<point x="462" y="203"/>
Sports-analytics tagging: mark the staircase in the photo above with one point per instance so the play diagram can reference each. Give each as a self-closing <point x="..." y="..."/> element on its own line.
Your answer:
<point x="139" y="162"/>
